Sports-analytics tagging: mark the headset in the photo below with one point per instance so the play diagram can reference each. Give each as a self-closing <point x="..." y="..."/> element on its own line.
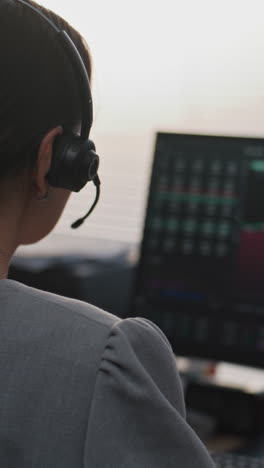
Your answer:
<point x="74" y="160"/>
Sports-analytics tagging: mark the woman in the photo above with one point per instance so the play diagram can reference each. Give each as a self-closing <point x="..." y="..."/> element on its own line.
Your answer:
<point x="79" y="387"/>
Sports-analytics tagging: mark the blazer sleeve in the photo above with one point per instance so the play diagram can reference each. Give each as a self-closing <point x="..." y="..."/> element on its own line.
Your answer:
<point x="137" y="413"/>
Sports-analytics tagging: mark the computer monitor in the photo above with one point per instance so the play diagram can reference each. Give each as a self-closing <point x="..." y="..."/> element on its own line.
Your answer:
<point x="200" y="275"/>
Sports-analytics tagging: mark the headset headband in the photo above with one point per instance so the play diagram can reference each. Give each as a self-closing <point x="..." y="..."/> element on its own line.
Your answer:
<point x="80" y="72"/>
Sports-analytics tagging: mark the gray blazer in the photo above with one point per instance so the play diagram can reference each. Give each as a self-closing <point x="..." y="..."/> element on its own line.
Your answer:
<point x="80" y="388"/>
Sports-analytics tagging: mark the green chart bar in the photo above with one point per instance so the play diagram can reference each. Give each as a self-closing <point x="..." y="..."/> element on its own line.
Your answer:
<point x="209" y="199"/>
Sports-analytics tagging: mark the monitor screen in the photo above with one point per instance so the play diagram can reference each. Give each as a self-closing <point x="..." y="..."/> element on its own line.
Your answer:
<point x="200" y="276"/>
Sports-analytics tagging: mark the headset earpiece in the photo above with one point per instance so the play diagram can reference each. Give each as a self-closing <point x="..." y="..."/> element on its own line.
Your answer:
<point x="74" y="162"/>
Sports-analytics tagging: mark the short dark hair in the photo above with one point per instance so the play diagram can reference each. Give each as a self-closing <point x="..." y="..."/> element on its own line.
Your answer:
<point x="38" y="89"/>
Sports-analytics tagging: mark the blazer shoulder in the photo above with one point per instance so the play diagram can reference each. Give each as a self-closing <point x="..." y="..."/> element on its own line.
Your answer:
<point x="34" y="301"/>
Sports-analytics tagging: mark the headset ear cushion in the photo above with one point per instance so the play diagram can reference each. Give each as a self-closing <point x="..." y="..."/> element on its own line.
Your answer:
<point x="74" y="162"/>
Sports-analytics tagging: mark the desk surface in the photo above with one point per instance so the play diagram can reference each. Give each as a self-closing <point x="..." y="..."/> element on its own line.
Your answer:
<point x="225" y="443"/>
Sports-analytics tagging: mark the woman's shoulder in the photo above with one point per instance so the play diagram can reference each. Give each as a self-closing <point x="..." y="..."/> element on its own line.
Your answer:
<point x="67" y="319"/>
<point x="32" y="301"/>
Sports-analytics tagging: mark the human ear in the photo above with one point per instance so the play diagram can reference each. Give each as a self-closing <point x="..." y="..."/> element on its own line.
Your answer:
<point x="43" y="161"/>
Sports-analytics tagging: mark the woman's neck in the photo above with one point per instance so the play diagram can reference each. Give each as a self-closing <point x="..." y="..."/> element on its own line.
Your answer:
<point x="4" y="264"/>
